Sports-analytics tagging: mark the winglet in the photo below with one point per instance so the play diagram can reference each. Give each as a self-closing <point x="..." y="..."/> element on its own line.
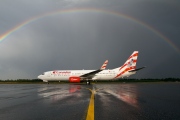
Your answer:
<point x="104" y="65"/>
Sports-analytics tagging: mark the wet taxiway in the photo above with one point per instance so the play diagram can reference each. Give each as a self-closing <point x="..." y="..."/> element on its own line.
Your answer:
<point x="134" y="101"/>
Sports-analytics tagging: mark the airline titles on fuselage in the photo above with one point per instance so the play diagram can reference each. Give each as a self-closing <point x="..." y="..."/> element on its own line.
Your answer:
<point x="61" y="72"/>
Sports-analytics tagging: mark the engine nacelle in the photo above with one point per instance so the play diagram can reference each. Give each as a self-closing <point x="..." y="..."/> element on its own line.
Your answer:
<point x="74" y="79"/>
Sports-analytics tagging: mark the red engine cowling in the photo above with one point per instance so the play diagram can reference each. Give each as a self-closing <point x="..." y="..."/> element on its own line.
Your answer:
<point x="74" y="79"/>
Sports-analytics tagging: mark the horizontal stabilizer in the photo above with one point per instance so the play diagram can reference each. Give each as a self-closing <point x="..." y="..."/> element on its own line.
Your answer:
<point x="137" y="69"/>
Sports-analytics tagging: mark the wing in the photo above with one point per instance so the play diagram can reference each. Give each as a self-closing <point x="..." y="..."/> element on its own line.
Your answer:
<point x="91" y="74"/>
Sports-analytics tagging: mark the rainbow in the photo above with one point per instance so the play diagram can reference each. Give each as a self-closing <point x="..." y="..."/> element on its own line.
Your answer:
<point x="76" y="10"/>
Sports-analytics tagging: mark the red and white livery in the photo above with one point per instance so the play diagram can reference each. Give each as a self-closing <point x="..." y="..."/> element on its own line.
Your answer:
<point x="76" y="76"/>
<point x="104" y="65"/>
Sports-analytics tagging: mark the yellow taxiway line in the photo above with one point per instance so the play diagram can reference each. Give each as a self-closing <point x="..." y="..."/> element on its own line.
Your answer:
<point x="90" y="114"/>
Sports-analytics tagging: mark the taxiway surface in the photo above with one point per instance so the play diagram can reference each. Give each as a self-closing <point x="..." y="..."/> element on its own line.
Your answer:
<point x="71" y="101"/>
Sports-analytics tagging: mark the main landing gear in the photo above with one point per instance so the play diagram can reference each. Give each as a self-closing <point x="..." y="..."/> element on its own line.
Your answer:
<point x="88" y="82"/>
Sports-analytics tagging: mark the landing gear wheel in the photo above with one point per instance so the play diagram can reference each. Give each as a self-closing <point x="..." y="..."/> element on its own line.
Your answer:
<point x="88" y="83"/>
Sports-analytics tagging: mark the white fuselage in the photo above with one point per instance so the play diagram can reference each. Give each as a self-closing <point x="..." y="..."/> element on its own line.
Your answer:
<point x="63" y="75"/>
<point x="127" y="69"/>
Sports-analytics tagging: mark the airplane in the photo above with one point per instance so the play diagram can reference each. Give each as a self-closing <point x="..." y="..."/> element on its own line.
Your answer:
<point x="77" y="76"/>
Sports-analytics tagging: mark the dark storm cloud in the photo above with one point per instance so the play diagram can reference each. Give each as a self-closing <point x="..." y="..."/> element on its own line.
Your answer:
<point x="86" y="40"/>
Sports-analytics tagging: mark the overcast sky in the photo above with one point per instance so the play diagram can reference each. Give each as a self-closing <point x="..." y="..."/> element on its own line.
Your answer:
<point x="85" y="39"/>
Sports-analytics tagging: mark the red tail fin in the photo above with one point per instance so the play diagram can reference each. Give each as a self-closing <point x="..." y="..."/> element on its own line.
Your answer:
<point x="131" y="61"/>
<point x="104" y="65"/>
<point x="129" y="65"/>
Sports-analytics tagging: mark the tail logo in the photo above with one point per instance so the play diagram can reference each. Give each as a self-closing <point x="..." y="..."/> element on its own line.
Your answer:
<point x="104" y="65"/>
<point x="129" y="65"/>
<point x="130" y="62"/>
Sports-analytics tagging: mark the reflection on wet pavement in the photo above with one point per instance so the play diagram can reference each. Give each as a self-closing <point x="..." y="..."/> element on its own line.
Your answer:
<point x="58" y="93"/>
<point x="70" y="101"/>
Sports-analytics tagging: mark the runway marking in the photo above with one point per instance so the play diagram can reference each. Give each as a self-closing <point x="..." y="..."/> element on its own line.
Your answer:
<point x="90" y="114"/>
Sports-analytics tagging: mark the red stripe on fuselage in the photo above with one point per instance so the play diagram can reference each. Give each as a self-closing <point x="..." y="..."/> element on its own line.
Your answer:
<point x="122" y="66"/>
<point x="127" y="69"/>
